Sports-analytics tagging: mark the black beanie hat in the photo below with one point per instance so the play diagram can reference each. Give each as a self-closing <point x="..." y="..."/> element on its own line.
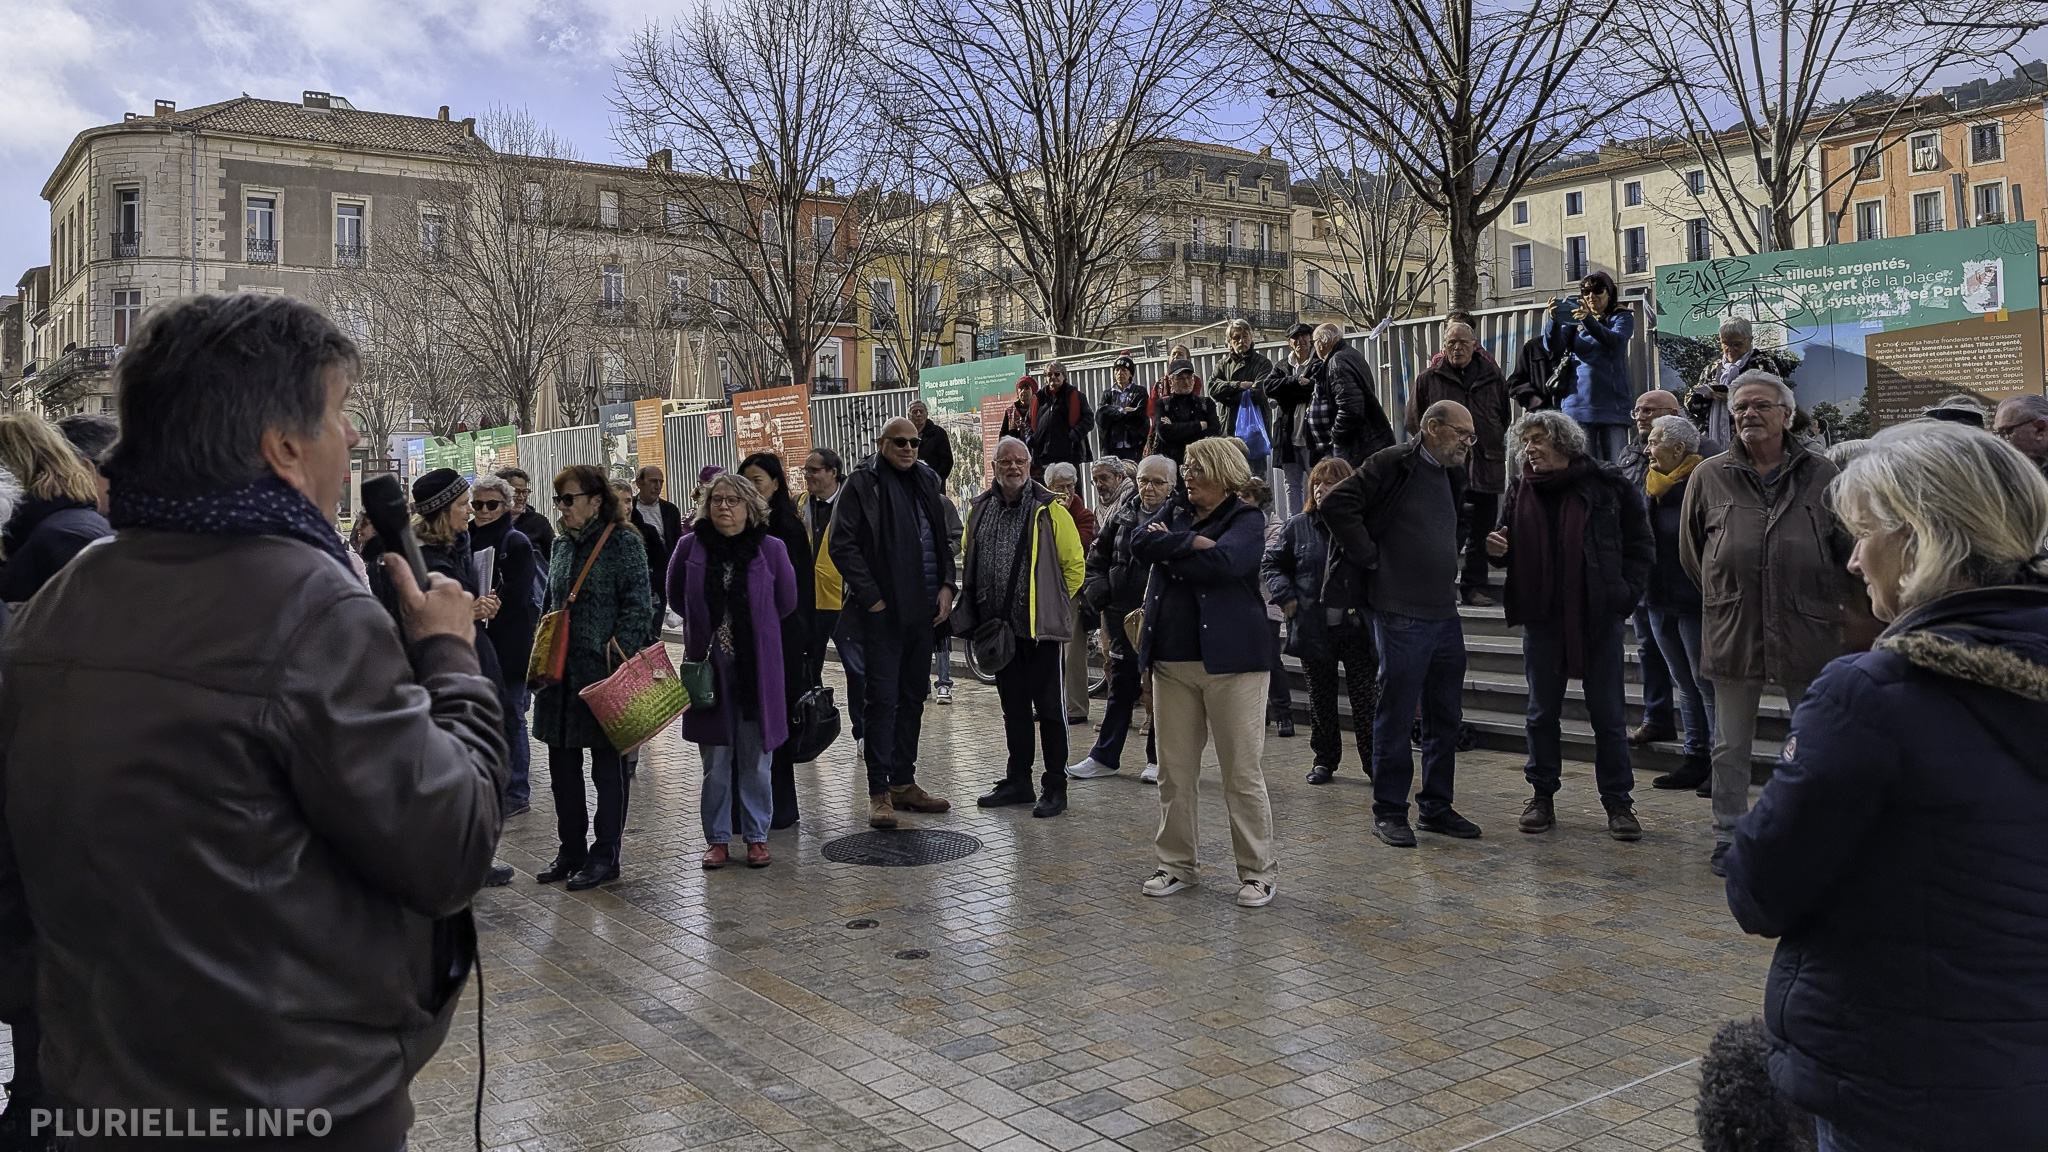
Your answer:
<point x="437" y="490"/>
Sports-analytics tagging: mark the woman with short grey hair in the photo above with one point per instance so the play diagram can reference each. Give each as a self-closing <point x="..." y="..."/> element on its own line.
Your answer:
<point x="1672" y="602"/>
<point x="1895" y="852"/>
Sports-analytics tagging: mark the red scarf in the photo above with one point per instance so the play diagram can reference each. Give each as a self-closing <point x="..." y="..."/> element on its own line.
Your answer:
<point x="1548" y="580"/>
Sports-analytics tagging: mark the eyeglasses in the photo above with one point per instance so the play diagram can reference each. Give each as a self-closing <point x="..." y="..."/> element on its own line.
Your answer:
<point x="1755" y="406"/>
<point x="1460" y="344"/>
<point x="2006" y="431"/>
<point x="566" y="499"/>
<point x="725" y="502"/>
<point x="1467" y="437"/>
<point x="1192" y="470"/>
<point x="898" y="441"/>
<point x="812" y="469"/>
<point x="521" y="492"/>
<point x="487" y="505"/>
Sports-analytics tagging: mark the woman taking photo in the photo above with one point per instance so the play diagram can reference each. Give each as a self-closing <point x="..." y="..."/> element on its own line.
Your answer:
<point x="735" y="583"/>
<point x="1204" y="641"/>
<point x="1897" y="851"/>
<point x="764" y="471"/>
<point x="1293" y="569"/>
<point x="1597" y="334"/>
<point x="597" y="549"/>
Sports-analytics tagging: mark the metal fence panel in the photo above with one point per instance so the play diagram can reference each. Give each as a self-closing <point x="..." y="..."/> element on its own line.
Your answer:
<point x="849" y="423"/>
<point x="689" y="446"/>
<point x="542" y="454"/>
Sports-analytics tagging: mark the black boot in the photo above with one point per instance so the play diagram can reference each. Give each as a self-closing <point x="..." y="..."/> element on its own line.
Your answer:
<point x="1695" y="771"/>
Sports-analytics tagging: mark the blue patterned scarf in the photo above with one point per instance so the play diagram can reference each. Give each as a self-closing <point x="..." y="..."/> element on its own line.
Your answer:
<point x="265" y="507"/>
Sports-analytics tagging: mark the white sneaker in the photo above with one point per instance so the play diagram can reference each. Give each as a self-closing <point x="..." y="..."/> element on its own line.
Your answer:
<point x="1090" y="769"/>
<point x="1150" y="775"/>
<point x="945" y="694"/>
<point x="1254" y="894"/>
<point x="1164" y="883"/>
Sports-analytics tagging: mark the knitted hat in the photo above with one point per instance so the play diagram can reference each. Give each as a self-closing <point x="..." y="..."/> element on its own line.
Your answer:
<point x="707" y="472"/>
<point x="1125" y="362"/>
<point x="437" y="490"/>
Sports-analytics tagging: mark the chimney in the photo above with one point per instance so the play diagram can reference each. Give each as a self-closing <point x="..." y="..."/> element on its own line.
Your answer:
<point x="662" y="161"/>
<point x="828" y="186"/>
<point x="165" y="107"/>
<point x="444" y="112"/>
<point x="1266" y="152"/>
<point x="317" y="102"/>
<point x="469" y="126"/>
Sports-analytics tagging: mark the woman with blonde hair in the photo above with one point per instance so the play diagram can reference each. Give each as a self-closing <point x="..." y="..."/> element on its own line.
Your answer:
<point x="1897" y="851"/>
<point x="59" y="511"/>
<point x="1204" y="641"/>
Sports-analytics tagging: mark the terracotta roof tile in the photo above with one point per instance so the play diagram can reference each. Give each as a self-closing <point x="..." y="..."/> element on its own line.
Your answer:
<point x="341" y="126"/>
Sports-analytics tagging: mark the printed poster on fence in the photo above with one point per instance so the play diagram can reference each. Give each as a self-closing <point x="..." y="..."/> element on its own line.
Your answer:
<point x="647" y="430"/>
<point x="774" y="420"/>
<point x="958" y="389"/>
<point x="1894" y="324"/>
<point x="615" y="439"/>
<point x="495" y="448"/>
<point x="992" y="410"/>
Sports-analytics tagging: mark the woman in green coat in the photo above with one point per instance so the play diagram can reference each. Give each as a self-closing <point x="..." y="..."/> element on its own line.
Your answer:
<point x="615" y="603"/>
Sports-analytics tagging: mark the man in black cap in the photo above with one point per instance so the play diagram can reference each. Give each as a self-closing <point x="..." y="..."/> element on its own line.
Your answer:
<point x="1290" y="387"/>
<point x="1124" y="416"/>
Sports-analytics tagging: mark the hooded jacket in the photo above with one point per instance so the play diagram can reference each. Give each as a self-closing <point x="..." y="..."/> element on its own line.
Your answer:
<point x="1897" y="855"/>
<point x="1053" y="569"/>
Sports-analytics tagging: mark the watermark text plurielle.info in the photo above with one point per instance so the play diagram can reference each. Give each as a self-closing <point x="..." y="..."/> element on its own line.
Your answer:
<point x="182" y="1123"/>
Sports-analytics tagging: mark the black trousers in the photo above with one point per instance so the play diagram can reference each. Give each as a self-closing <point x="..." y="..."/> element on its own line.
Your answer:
<point x="1124" y="690"/>
<point x="1476" y="518"/>
<point x="1030" y="689"/>
<point x="1279" y="694"/>
<point x="899" y="678"/>
<point x="1352" y="647"/>
<point x="572" y="819"/>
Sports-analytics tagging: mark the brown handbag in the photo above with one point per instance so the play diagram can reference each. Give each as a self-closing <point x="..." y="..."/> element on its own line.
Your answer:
<point x="550" y="656"/>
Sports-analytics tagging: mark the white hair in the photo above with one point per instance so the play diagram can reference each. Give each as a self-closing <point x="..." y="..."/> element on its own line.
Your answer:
<point x="1760" y="377"/>
<point x="10" y="494"/>
<point x="1677" y="428"/>
<point x="1562" y="431"/>
<point x="1022" y="446"/>
<point x="1117" y="465"/>
<point x="1976" y="508"/>
<point x="1056" y="471"/>
<point x="1166" y="462"/>
<point x="1738" y="326"/>
<point x="1328" y="333"/>
<point x="490" y="483"/>
<point x="1237" y="327"/>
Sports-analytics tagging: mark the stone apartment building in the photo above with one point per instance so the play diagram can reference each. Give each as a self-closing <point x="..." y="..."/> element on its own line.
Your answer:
<point x="1334" y="259"/>
<point x="1215" y="244"/>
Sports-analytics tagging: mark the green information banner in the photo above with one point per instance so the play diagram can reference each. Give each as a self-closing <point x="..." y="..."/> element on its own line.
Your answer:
<point x="957" y="389"/>
<point x="1896" y="324"/>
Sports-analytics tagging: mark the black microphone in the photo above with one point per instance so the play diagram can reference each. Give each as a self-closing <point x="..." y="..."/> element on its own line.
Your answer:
<point x="384" y="503"/>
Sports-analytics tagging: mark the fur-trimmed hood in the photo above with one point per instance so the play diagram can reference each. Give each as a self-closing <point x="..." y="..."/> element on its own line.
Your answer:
<point x="1996" y="637"/>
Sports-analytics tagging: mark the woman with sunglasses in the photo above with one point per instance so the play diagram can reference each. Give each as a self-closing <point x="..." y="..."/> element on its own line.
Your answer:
<point x="614" y="605"/>
<point x="1597" y="333"/>
<point x="515" y="581"/>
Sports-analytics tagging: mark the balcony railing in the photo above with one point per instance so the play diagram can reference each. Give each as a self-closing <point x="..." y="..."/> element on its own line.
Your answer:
<point x="625" y="313"/>
<point x="348" y="255"/>
<point x="257" y="250"/>
<point x="882" y="321"/>
<point x="69" y="368"/>
<point x="1923" y="226"/>
<point x="1203" y="253"/>
<point x="677" y="314"/>
<point x="1156" y="250"/>
<point x="1318" y="303"/>
<point x="127" y="245"/>
<point x="828" y="385"/>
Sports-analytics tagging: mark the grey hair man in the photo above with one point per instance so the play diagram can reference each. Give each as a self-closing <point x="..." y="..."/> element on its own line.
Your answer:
<point x="1115" y="587"/>
<point x="1344" y="413"/>
<point x="1761" y="541"/>
<point x="2022" y="422"/>
<point x="1707" y="403"/>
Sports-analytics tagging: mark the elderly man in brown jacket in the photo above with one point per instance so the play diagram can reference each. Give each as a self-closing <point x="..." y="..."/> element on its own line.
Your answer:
<point x="1770" y="559"/>
<point x="1465" y="376"/>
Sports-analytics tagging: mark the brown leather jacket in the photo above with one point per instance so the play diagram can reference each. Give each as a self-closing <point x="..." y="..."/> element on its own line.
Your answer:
<point x="245" y="828"/>
<point x="1772" y="572"/>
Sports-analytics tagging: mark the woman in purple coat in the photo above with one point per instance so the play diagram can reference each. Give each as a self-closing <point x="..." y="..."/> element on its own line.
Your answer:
<point x="734" y="584"/>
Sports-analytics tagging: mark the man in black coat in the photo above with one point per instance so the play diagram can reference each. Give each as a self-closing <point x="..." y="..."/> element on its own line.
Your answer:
<point x="1124" y="415"/>
<point x="1345" y="417"/>
<point x="934" y="446"/>
<point x="1064" y="421"/>
<point x="534" y="525"/>
<point x="1289" y="388"/>
<point x="663" y="521"/>
<point x="890" y="542"/>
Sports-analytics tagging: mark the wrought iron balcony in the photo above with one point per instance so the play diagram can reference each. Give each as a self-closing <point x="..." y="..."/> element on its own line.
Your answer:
<point x="127" y="245"/>
<point x="257" y="250"/>
<point x="828" y="385"/>
<point x="624" y="313"/>
<point x="1202" y="253"/>
<point x="348" y="255"/>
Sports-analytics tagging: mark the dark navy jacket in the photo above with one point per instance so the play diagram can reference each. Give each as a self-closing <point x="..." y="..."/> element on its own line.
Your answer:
<point x="1900" y="855"/>
<point x="1225" y="581"/>
<point x="1293" y="569"/>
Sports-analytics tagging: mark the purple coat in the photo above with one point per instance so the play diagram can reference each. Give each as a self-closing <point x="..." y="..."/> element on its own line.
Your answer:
<point x="770" y="580"/>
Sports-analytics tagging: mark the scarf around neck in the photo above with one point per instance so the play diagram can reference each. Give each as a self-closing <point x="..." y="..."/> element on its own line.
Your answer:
<point x="1549" y="578"/>
<point x="1656" y="483"/>
<point x="262" y="507"/>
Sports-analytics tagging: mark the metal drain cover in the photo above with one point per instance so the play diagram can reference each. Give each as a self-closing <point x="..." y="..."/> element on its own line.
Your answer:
<point x="902" y="849"/>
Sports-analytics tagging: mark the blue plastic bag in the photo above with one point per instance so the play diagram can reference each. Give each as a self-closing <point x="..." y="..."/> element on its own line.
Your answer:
<point x="1251" y="427"/>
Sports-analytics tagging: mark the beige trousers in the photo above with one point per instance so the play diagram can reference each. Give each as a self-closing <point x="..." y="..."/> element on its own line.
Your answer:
<point x="1076" y="659"/>
<point x="1190" y="706"/>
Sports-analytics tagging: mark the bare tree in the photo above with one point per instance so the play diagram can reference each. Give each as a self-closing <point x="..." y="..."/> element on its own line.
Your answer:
<point x="759" y="112"/>
<point x="1042" y="117"/>
<point x="1386" y="247"/>
<point x="414" y="370"/>
<point x="1468" y="99"/>
<point x="1781" y="67"/>
<point x="912" y="228"/>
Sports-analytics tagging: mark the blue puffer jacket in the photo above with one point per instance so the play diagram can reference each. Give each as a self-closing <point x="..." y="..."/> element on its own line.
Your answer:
<point x="1899" y="853"/>
<point x="1605" y="394"/>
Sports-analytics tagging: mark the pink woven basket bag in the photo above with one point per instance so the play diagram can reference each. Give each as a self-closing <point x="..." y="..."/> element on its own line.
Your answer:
<point x="641" y="698"/>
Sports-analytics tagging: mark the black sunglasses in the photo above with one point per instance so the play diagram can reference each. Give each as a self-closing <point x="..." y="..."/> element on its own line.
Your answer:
<point x="565" y="499"/>
<point x="899" y="441"/>
<point x="487" y="505"/>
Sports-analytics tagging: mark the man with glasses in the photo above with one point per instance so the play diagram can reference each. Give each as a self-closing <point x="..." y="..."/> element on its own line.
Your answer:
<point x="534" y="524"/>
<point x="1393" y="550"/>
<point x="889" y="541"/>
<point x="1759" y="538"/>
<point x="1465" y="377"/>
<point x="2023" y="423"/>
<point x="1064" y="421"/>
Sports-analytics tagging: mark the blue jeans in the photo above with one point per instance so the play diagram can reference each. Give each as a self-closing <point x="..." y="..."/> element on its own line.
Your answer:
<point x="1833" y="1139"/>
<point x="1678" y="638"/>
<point x="739" y="767"/>
<point x="1124" y="690"/>
<point x="1606" y="700"/>
<point x="897" y="681"/>
<point x="1421" y="662"/>
<point x="1656" y="677"/>
<point x="944" y="662"/>
<point x="1605" y="441"/>
<point x="519" y="787"/>
<point x="844" y="632"/>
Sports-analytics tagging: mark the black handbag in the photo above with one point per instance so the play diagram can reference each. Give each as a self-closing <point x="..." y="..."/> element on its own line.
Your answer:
<point x="994" y="641"/>
<point x="813" y="725"/>
<point x="1564" y="380"/>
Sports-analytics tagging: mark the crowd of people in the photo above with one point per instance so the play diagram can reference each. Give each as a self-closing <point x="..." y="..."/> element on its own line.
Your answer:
<point x="220" y="718"/>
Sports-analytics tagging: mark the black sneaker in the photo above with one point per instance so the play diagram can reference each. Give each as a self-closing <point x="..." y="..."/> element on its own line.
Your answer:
<point x="1538" y="815"/>
<point x="1394" y="832"/>
<point x="1718" y="865"/>
<point x="1448" y="823"/>
<point x="1321" y="774"/>
<point x="1049" y="806"/>
<point x="1006" y="793"/>
<point x="1695" y="771"/>
<point x="499" y="876"/>
<point x="1285" y="728"/>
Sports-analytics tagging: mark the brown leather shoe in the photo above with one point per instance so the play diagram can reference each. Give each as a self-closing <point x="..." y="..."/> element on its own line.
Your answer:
<point x="757" y="855"/>
<point x="715" y="857"/>
<point x="1643" y="734"/>
<point x="881" y="813"/>
<point x="917" y="799"/>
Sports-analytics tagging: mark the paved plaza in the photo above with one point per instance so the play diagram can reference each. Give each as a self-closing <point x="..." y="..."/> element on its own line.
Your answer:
<point x="1514" y="992"/>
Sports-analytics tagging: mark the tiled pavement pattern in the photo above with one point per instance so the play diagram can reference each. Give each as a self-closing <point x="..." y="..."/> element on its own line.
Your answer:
<point x="1443" y="998"/>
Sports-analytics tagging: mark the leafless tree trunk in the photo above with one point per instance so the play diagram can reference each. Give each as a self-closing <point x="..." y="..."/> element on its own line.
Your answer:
<point x="759" y="108"/>
<point x="912" y="227"/>
<point x="1042" y="116"/>
<point x="1388" y="249"/>
<point x="1468" y="99"/>
<point x="413" y="369"/>
<point x="1782" y="67"/>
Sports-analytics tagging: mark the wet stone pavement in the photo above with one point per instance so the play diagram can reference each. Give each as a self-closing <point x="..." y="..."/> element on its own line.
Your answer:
<point x="1514" y="992"/>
